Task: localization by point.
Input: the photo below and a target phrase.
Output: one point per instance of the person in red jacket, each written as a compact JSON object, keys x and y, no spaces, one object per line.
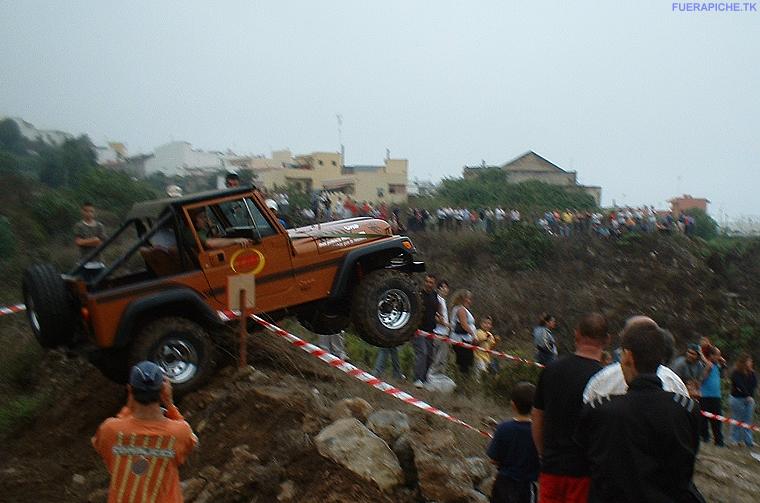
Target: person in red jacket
{"x":142,"y":447}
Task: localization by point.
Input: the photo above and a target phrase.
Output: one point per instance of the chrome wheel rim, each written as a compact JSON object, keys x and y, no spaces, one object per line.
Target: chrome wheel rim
{"x":394,"y":310}
{"x":178,"y":359}
{"x":32,"y":315}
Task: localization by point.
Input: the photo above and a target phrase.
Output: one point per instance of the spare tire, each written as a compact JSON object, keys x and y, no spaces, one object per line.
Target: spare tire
{"x":49,"y":306}
{"x":387,"y":308}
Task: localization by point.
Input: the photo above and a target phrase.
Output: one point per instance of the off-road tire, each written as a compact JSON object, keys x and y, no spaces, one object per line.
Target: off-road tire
{"x":188,"y":338}
{"x":50,"y":308}
{"x":365,"y":311}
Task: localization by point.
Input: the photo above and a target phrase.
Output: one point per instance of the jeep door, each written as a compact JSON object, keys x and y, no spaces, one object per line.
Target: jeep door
{"x":268,"y":258}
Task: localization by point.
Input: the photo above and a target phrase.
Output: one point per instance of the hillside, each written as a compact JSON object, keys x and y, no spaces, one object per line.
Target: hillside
{"x":258,"y":427}
{"x":691,"y":287}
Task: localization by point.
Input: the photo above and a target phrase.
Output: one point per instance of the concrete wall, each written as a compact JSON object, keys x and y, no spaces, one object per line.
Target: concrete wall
{"x":680,"y":204}
{"x":551,"y":177}
{"x":593,"y":191}
{"x":325,"y":170}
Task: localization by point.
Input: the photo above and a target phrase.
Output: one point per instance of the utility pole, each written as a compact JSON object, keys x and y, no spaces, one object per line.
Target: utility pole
{"x":339,"y":118}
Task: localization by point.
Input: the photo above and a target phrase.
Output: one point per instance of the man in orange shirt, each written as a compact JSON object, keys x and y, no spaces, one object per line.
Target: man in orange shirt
{"x":143,"y":448}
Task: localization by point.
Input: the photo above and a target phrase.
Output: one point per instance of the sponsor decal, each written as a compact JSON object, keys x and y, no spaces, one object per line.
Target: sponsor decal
{"x":247,"y":261}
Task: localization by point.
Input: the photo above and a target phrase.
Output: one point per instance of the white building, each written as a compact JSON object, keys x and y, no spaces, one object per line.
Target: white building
{"x":180,"y":158}
{"x":110,"y":154}
{"x":50,"y":137}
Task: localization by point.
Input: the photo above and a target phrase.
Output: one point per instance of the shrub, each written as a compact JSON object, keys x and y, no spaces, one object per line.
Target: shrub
{"x":491,"y":188}
{"x":705,"y":226}
{"x":56,"y":212}
{"x":499,"y":385}
{"x":519,"y":247}
{"x":113,"y":190}
{"x":19,"y":412}
{"x":7,"y":239}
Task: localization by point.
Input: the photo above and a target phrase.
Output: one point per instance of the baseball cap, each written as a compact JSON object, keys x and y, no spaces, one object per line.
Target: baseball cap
{"x":146,"y":376}
{"x":693,"y":346}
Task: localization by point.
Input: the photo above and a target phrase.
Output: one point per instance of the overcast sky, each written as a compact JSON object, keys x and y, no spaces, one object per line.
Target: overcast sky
{"x":644,"y":101}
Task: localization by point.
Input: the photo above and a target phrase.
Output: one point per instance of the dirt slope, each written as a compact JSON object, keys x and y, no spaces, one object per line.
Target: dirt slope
{"x":256,"y":427}
{"x":682,"y":284}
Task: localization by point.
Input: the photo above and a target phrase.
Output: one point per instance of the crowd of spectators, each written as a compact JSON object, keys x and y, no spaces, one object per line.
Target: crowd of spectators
{"x":585,"y":414}
{"x":607,"y":223}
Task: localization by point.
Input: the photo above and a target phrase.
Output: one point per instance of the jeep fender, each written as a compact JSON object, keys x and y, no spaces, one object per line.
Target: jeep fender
{"x":377,"y":255}
{"x":175,"y":302}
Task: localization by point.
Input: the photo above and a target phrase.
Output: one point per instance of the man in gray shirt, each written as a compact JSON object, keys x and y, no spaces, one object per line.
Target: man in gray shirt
{"x":691,"y":369}
{"x":88,"y":232}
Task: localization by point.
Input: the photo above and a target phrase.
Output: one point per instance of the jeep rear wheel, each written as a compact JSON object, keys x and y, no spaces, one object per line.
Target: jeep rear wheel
{"x":387,"y":308}
{"x":49,"y":306}
{"x":179,"y":346}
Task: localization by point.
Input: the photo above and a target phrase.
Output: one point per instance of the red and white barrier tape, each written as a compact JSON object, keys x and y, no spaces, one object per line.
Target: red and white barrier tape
{"x":472,"y":347}
{"x":353,"y":371}
{"x":373,"y":381}
{"x":729,"y":420}
{"x":16,"y":308}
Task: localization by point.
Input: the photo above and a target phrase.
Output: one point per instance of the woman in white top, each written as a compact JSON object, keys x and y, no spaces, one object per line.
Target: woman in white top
{"x":462,"y":328}
{"x":442,"y":327}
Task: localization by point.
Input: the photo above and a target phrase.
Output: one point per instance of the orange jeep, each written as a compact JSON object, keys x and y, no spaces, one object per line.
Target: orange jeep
{"x":153,"y":289}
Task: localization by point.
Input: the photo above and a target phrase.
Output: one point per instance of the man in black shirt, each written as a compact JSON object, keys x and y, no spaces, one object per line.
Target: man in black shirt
{"x":564,"y":473}
{"x":423,"y":347}
{"x":642,"y":445}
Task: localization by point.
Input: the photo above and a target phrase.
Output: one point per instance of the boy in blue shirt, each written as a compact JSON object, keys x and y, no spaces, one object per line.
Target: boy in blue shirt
{"x":513,"y":451}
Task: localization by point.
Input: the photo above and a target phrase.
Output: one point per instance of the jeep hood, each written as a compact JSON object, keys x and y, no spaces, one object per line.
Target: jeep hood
{"x":342,"y":233}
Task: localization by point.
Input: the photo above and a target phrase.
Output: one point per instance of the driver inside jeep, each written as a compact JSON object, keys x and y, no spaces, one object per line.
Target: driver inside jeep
{"x":209,"y":235}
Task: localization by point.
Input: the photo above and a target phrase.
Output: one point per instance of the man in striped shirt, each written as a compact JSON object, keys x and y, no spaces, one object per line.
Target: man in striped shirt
{"x":143,"y":448}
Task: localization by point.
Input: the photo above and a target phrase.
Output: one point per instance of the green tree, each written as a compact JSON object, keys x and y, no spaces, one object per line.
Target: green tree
{"x":113,"y":190}
{"x":704,"y":225}
{"x":491,"y":188}
{"x":52,"y":172}
{"x":78,"y":159}
{"x":10,"y":137}
{"x":8,"y":163}
{"x":521,"y":246}
{"x":55,"y":211}
{"x":7,"y":239}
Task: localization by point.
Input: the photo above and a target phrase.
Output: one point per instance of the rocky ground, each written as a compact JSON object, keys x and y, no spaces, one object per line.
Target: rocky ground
{"x":289,"y":428}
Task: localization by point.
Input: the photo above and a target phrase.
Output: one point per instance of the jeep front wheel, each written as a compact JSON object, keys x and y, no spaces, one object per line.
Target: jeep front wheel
{"x":387,"y":308}
{"x":179,"y":346}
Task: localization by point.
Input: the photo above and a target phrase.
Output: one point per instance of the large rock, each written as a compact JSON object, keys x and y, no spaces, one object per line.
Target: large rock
{"x":350,"y":444}
{"x":405,"y":454}
{"x":388,"y":424}
{"x":440,"y":383}
{"x":351,"y":407}
{"x":479,"y":469}
{"x":443,"y":474}
{"x":486,"y":485}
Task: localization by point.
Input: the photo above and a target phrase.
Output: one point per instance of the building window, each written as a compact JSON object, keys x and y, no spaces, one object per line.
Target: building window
{"x":334,"y":163}
{"x":396,"y":188}
{"x":320,"y":162}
